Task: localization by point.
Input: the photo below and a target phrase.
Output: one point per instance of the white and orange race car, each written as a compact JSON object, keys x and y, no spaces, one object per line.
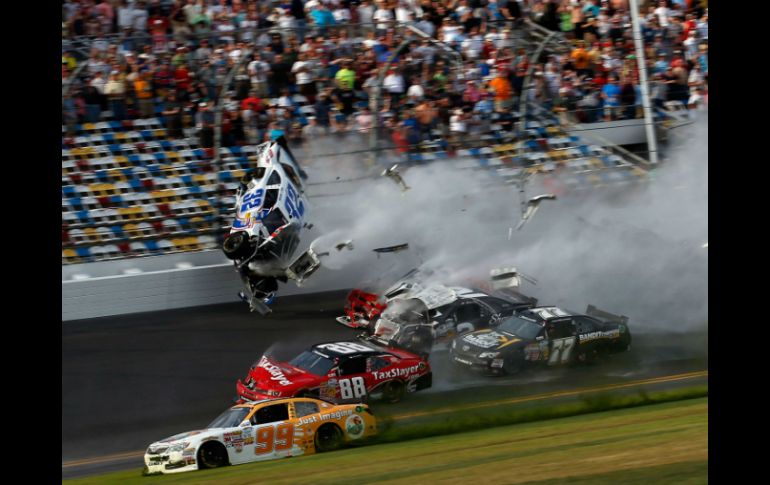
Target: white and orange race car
{"x":262,"y":430}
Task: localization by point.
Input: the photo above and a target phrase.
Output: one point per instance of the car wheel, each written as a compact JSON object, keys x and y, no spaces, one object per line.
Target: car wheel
{"x":212,"y":455}
{"x":393,"y":391}
{"x":236,"y":245}
{"x":328,"y":438}
{"x":512,"y":364}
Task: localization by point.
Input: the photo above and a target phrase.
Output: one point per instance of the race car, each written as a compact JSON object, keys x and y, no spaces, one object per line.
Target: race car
{"x":262,"y":430}
{"x":338,"y":371}
{"x":270,"y":212}
{"x":542,"y":336}
{"x":432,"y":316}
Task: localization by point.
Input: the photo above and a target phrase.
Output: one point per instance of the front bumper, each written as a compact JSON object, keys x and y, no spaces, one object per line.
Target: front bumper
{"x":249,"y":394}
{"x":174,"y":462}
{"x":487,"y":365}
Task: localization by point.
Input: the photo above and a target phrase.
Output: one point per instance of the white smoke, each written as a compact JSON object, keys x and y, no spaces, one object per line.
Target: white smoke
{"x":634,"y":250}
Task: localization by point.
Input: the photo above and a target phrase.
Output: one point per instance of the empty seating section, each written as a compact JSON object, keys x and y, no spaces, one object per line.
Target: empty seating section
{"x":127,"y":190}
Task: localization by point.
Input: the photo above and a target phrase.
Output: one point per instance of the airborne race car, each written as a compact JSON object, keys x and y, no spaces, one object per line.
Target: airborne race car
{"x":259,"y":431}
{"x":338,"y":371}
{"x":543,"y":335}
{"x":271,"y":209}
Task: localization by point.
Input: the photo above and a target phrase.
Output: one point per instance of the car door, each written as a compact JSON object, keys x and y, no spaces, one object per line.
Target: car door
{"x":273,"y":433}
{"x":351,"y":382}
{"x":467,"y":316}
{"x":306,"y":420}
{"x":562,"y":339}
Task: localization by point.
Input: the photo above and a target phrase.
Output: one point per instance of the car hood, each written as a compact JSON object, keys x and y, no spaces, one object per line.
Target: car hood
{"x":280,"y":376}
{"x":489,"y":340}
{"x":162,"y":445}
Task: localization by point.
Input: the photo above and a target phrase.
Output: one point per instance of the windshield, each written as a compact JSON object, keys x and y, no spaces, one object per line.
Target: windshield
{"x":521,"y":328}
{"x":406,"y":311}
{"x":314,"y":363}
{"x":230,"y":418}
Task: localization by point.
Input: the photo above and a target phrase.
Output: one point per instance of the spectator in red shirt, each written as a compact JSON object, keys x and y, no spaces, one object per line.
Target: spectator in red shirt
{"x":252,"y":103}
{"x":182,"y":78}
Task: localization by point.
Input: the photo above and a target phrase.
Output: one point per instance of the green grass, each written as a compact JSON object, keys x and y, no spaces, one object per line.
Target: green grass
{"x":500,"y":416}
{"x":661,"y":443}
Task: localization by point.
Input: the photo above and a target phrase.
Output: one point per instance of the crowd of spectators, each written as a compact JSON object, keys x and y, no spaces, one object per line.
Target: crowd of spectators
{"x":312,"y":65}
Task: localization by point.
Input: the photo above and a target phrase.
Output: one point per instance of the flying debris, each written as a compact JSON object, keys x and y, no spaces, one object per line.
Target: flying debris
{"x":532,"y":206}
{"x":508,"y":278}
{"x":391,"y":249}
{"x":346,"y":244}
{"x":339,"y":247}
{"x":394,"y":175}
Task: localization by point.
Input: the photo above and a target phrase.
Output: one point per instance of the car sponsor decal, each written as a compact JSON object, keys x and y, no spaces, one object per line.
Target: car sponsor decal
{"x":587,"y":337}
{"x":234,"y":439}
{"x":392,"y":373}
{"x":354,"y":426}
{"x":275,"y":371}
{"x":487,"y":340}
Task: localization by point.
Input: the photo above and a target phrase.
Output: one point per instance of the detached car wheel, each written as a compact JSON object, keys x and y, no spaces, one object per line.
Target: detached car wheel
{"x":236,"y":245}
{"x":212,"y":455}
{"x":328,"y":438}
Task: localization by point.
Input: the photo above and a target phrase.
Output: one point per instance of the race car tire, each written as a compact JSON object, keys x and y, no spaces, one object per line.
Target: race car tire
{"x":212,"y":455}
{"x":236,"y":245}
{"x":512,"y":364}
{"x":393,"y":391}
{"x":328,"y":438}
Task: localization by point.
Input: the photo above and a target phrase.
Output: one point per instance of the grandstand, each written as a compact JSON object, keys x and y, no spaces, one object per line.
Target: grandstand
{"x":129,"y":188}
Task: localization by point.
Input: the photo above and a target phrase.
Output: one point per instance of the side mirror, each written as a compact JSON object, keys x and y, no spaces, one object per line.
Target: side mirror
{"x":245,"y":424}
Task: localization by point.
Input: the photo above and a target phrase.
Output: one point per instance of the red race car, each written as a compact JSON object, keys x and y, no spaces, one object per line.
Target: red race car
{"x":338,"y":371}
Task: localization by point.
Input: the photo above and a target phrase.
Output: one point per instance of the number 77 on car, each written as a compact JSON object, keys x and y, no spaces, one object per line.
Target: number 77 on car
{"x":263,"y":430}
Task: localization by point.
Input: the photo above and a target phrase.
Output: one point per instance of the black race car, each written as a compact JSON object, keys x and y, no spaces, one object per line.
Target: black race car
{"x":542,"y":335}
{"x":432,"y":316}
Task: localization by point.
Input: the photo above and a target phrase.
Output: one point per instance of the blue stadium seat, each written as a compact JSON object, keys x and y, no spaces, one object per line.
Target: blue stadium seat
{"x":69,"y":191}
{"x":115,"y":149}
{"x":118,"y":231}
{"x":102,"y":175}
{"x":83,"y":252}
{"x":135,"y":159}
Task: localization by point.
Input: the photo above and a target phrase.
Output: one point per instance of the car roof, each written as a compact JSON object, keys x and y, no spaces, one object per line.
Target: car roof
{"x":328,"y":349}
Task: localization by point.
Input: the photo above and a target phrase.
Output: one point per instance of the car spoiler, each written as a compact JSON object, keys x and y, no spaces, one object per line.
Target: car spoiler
{"x":596,"y":312}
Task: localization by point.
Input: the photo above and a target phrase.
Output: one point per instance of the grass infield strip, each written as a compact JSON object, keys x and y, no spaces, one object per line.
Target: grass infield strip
{"x":661,"y":437}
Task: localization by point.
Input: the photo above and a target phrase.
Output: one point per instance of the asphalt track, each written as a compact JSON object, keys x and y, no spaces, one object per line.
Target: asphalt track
{"x":133,"y":379}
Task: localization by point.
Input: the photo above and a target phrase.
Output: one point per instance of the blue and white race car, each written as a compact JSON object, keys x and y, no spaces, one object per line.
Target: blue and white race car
{"x":271,"y":210}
